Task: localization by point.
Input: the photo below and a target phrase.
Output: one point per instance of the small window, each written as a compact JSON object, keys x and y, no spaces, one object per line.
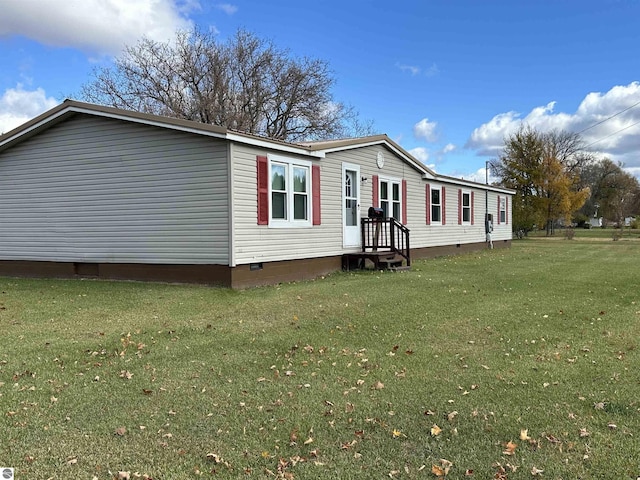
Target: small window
{"x":466,"y":207}
{"x":290,"y":187}
{"x":436,"y":205}
{"x":390,"y":198}
{"x":278,"y":191}
{"x":503,"y":210}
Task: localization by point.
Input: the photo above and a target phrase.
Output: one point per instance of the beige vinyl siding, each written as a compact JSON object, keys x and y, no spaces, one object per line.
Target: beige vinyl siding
{"x":257,"y":243}
{"x":261,"y":243}
{"x":92,"y":189}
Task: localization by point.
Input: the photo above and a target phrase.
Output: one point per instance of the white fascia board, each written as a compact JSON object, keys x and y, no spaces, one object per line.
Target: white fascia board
{"x":33,"y":127}
{"x":282,"y":147}
{"x":469,"y":184}
{"x":423,"y":168}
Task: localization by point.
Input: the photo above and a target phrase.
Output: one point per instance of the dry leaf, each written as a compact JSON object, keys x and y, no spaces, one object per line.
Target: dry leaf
{"x":378,"y":385}
{"x":452,"y":415}
{"x":584,"y":432}
{"x":120,"y":431}
{"x":443,"y":469}
{"x":308,"y":441}
{"x":435,"y":430}
{"x":124,"y":475}
{"x":524,"y":434}
{"x":536,"y":471}
{"x":510,"y":448}
{"x":396,"y":433}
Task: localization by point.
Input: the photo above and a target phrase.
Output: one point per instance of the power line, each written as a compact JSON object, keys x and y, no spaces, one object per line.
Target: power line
{"x":614,"y":133}
{"x":609,"y":118}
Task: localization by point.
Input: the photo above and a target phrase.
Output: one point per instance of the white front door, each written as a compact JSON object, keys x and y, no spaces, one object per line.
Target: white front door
{"x":350,"y":205}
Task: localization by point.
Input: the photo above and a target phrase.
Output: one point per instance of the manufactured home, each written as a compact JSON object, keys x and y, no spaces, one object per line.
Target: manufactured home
{"x":94,"y":191}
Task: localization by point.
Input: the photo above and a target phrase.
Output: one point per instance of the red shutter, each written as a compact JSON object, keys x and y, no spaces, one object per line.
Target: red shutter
{"x":263,"y":190}
{"x":375,"y":199}
{"x":428,"y":203}
{"x":506,"y":210}
{"x":472,"y":212}
{"x":443,"y":202}
{"x":315,"y":193}
{"x":498,"y":209}
{"x":459,"y":206}
{"x":404,"y":202}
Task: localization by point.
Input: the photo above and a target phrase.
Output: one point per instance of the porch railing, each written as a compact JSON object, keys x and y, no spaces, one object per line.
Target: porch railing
{"x":385,"y":234}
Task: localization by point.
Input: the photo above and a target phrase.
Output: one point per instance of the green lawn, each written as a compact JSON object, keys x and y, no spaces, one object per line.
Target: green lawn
{"x":493,"y":365}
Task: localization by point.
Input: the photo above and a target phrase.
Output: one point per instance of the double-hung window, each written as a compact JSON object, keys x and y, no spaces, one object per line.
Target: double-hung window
{"x":436,"y":205}
{"x":290,"y":191}
{"x":466,"y":207}
{"x":390,"y":198}
{"x":503,"y":210}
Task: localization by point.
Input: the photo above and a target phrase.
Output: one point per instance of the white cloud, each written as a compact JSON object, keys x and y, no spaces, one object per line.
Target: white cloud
{"x":425,"y":130}
{"x":408,"y":68}
{"x":18,"y":106}
{"x":432,"y":71}
{"x":449,"y":147}
{"x":422,"y":154}
{"x":415,"y":70}
{"x":97,"y":27}
{"x":606,"y":139}
{"x":227,"y":8}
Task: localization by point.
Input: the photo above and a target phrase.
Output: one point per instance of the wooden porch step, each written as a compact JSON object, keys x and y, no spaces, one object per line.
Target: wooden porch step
{"x":381,"y":260}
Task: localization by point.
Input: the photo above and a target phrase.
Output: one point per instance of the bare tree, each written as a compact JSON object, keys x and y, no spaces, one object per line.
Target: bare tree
{"x":246,"y":84}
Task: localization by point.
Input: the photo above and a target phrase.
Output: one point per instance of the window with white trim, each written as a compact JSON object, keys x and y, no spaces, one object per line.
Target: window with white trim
{"x":503,"y":210}
{"x":436,"y":205}
{"x":466,"y":207}
{"x":290,"y":192}
{"x":391,"y":198}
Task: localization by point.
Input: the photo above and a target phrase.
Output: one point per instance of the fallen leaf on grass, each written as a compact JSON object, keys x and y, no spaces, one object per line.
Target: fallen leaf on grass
{"x":396,"y":433}
{"x":524,"y":434}
{"x":584,"y":432}
{"x":536,"y":471}
{"x":435,"y":430}
{"x":124,"y":475}
{"x":441,"y":470}
{"x":378,"y":385}
{"x":120,"y":431}
{"x":452,"y":415}
{"x":510,"y":448}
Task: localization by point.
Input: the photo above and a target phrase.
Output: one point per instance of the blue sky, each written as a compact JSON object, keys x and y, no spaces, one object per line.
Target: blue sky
{"x":447,"y":80}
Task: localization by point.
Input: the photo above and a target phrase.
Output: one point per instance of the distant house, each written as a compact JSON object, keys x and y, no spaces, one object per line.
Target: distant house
{"x":95,"y":191}
{"x":595,"y":222}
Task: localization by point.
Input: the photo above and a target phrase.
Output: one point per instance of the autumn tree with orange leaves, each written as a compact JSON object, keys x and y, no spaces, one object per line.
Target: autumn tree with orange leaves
{"x":544,"y":170}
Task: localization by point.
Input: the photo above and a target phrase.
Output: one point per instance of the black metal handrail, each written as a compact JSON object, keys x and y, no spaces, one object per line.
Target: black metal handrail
{"x":385,"y":234}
